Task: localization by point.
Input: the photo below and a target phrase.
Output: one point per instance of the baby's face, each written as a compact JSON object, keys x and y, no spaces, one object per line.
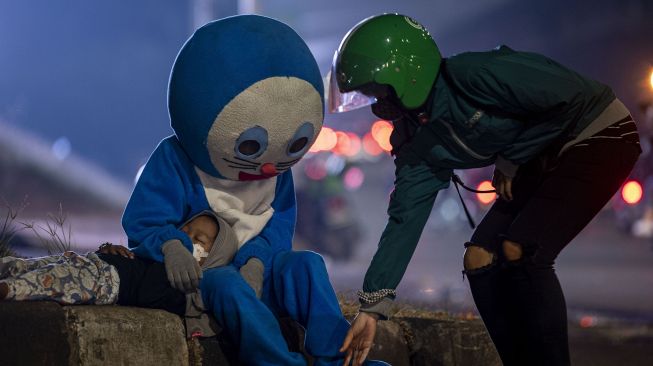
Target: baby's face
{"x":202,"y":230}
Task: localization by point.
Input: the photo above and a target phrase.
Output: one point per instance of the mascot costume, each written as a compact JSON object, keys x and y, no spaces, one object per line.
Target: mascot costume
{"x":246,"y":102}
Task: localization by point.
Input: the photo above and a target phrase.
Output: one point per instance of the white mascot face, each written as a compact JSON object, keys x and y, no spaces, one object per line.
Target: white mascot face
{"x":265,"y":129}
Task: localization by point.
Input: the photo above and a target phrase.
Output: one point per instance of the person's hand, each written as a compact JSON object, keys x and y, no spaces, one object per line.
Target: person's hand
{"x":109,"y":248}
{"x":360,"y":338}
{"x":184,"y":273}
{"x":252,"y":272}
{"x":503,"y":184}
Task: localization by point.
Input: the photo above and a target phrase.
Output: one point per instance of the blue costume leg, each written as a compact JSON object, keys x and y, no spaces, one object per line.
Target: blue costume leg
{"x":302,"y":290}
{"x":246,"y":319}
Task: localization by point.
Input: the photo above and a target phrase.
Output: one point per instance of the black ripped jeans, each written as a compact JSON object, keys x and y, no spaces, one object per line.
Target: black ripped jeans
{"x":521,"y":302}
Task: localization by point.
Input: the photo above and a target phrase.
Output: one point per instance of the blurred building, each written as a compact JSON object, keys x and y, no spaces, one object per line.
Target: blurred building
{"x":43,"y":181}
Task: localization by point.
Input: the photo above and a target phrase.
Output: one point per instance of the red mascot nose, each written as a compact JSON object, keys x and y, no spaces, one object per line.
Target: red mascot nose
{"x":268,"y":169}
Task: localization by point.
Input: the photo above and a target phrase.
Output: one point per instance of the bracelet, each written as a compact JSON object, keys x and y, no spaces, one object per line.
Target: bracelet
{"x":376,"y":296}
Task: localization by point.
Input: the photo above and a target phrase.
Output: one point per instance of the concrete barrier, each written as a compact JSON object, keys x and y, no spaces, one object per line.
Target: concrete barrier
{"x":45,"y":333}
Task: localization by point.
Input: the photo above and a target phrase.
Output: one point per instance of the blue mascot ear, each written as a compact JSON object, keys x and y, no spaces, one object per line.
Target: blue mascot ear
{"x":218,"y":62}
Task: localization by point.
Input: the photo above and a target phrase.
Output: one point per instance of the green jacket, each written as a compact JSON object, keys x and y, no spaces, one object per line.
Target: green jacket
{"x":485,"y":108}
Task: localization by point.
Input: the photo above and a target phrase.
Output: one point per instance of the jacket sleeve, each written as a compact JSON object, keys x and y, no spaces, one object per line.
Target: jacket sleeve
{"x":416,"y":187}
{"x":546,"y":96}
{"x":278,"y":233}
{"x":158,"y":205}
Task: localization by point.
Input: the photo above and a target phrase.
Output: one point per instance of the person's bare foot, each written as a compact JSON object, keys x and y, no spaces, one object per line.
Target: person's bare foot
{"x":4,"y":290}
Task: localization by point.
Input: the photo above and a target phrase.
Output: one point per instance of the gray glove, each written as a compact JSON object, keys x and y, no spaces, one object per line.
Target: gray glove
{"x":252,"y":272}
{"x":183,"y":271}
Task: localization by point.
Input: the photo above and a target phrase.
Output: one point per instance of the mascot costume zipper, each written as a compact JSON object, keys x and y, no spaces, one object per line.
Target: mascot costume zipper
{"x":246,"y":102}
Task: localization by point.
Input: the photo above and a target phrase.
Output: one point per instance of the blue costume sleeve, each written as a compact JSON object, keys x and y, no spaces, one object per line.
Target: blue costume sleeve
{"x":277,"y":234}
{"x":159,"y":202}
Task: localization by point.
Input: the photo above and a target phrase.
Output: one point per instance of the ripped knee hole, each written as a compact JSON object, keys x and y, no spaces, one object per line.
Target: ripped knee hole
{"x":477,"y":257}
{"x":512,"y":250}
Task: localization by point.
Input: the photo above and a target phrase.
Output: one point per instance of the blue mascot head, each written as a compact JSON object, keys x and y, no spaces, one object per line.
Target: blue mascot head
{"x":245,"y":98}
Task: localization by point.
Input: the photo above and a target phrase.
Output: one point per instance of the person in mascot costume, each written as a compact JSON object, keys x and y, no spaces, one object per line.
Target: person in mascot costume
{"x":246,"y":102}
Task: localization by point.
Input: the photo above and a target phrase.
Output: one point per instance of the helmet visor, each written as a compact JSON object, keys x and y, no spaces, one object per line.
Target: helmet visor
{"x":338,"y":102}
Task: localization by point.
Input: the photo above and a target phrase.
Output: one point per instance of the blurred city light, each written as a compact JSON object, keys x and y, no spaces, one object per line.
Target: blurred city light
{"x":342,"y":143}
{"x":449,"y":209}
{"x":326,"y":140}
{"x":370,"y":146}
{"x":335,"y":164}
{"x":632,"y":192}
{"x":315,"y":169}
{"x":587,"y":321}
{"x":354,"y":144}
{"x":348,"y":144}
{"x":485,"y":198}
{"x":381,"y":131}
{"x":354,"y":178}
{"x":61,"y":148}
{"x":651,"y":79}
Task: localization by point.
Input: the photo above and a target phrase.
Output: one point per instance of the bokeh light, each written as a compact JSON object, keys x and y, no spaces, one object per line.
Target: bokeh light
{"x":326,"y":140}
{"x":370,"y":145}
{"x":381,"y":131}
{"x":354,"y":145}
{"x":342,"y":143}
{"x":587,"y":321}
{"x":315,"y":170}
{"x":632,"y":192}
{"x":485,"y":198}
{"x":354,"y":178}
{"x":61,"y":148}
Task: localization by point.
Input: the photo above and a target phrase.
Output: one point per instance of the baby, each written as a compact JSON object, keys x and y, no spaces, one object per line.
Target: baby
{"x":113,"y":275}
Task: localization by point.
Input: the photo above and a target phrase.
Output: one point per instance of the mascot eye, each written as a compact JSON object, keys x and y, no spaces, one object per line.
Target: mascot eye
{"x":252,"y":143}
{"x":249,"y":147}
{"x":298,"y":145}
{"x":299,"y":142}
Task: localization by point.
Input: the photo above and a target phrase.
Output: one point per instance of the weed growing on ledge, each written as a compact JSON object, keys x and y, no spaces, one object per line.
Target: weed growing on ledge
{"x":56,"y":235}
{"x":8,"y":229}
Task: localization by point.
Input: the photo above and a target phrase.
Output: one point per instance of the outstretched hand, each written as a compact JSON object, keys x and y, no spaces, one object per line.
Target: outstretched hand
{"x":360,"y":338}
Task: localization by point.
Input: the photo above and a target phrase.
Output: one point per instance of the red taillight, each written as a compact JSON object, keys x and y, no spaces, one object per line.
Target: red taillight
{"x":632,"y":192}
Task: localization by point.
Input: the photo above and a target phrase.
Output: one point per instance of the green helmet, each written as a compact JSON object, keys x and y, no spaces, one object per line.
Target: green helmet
{"x":387,"y":49}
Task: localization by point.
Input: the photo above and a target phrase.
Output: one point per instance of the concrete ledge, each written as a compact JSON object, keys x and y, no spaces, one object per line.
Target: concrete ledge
{"x":33,"y":334}
{"x":435,"y":342}
{"x":115,"y":335}
{"x":45,"y":333}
